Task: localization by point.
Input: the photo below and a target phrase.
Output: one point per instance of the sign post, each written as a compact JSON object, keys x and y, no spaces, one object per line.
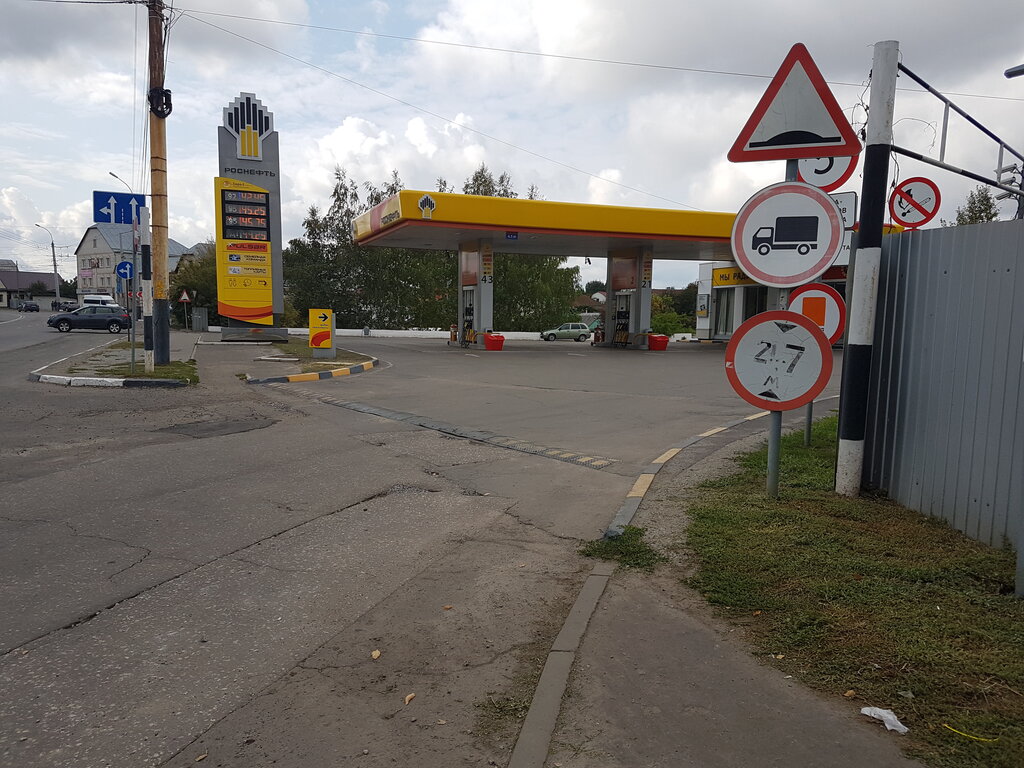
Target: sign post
{"x":778,"y":361}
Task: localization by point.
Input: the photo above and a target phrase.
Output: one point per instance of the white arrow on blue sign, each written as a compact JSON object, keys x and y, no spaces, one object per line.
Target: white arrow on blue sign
{"x":125,"y":270}
{"x":116,"y":207}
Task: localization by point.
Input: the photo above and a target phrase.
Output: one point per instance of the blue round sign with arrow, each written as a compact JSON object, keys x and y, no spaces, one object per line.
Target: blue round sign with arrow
{"x":125,"y":270}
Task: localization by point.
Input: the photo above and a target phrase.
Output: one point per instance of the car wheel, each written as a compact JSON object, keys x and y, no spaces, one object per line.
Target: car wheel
{"x":549,"y":337}
{"x":63,"y":326}
{"x":581,"y":337}
{"x":114,"y":327}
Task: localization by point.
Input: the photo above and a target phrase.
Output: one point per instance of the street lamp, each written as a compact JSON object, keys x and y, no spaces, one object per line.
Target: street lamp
{"x":53,"y":253}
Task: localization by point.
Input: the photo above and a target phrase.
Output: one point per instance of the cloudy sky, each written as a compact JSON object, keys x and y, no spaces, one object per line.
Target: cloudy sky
{"x":593,"y":101}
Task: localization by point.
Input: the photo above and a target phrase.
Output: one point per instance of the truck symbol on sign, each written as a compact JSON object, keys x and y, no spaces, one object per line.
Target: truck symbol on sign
{"x":789,"y":233}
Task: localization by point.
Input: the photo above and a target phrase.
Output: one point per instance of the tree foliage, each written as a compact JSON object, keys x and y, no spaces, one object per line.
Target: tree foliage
{"x":406,"y":288}
{"x":593,"y":286}
{"x":979,"y":208}
{"x":198,"y":276}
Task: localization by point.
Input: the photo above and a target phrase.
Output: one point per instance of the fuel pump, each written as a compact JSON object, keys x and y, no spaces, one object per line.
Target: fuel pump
{"x":622,"y":309}
{"x":468,"y":301}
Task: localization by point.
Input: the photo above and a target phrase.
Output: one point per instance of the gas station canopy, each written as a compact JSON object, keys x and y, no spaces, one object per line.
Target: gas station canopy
{"x":441,"y":221}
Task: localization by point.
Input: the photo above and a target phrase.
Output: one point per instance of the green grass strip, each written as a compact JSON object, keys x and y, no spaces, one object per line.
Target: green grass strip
{"x":866,"y":596}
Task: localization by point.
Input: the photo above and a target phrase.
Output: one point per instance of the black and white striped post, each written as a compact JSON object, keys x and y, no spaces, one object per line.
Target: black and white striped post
{"x":865,"y":264}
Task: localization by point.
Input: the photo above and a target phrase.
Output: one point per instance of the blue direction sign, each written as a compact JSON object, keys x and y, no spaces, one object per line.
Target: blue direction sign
{"x":116,"y":207}
{"x":125,"y":270}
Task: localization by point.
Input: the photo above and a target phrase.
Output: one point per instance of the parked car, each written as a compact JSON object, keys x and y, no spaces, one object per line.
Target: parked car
{"x":109,"y":318}
{"x":67,"y":306}
{"x":28,"y":306}
{"x":575,"y":331}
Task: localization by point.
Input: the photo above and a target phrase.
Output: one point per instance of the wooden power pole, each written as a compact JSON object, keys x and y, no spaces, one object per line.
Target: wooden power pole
{"x":159,"y":108}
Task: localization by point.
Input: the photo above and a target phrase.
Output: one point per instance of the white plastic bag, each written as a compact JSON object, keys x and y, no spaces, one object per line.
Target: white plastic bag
{"x":887,"y":716}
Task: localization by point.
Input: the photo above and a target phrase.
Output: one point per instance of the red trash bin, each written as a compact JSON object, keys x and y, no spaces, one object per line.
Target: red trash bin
{"x":494,"y":341}
{"x":657,"y":342}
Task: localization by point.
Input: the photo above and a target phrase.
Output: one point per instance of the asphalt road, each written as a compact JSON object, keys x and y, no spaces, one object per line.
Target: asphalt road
{"x":205,"y":571}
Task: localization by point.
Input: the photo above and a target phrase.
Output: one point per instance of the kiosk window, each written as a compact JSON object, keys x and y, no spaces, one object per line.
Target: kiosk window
{"x":724,"y":298}
{"x":755,"y":300}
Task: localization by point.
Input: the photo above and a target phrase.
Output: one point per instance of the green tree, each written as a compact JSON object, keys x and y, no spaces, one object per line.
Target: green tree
{"x":198,"y":276}
{"x":37,"y":288}
{"x":69,"y":288}
{"x":376,"y":287}
{"x":594,"y":286}
{"x":979,"y":208}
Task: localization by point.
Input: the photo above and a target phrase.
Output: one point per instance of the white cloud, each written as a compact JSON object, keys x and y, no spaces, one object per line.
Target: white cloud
{"x":72,"y":77}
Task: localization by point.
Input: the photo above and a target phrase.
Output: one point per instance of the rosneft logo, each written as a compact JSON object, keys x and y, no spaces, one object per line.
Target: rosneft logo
{"x":249,"y":122}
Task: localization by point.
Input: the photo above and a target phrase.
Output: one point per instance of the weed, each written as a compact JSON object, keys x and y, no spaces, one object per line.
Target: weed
{"x":628,"y":549}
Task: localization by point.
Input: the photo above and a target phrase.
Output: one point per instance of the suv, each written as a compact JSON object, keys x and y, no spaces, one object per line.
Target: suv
{"x":575,"y":331}
{"x":110,"y":318}
{"x":28,"y":306}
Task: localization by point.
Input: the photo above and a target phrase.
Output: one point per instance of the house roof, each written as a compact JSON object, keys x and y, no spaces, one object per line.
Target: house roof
{"x":18,"y":280}
{"x":116,"y":238}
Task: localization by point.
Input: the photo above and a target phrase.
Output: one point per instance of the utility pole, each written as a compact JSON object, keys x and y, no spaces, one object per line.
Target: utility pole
{"x":865,"y":263}
{"x":53,"y":254}
{"x":159,"y":108}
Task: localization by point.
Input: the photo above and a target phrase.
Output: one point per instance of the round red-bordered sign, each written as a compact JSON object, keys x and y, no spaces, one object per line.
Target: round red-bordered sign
{"x":778,"y":360}
{"x":831,"y":310}
{"x":827,"y":173}
{"x":914,"y":202}
{"x":787,"y":234}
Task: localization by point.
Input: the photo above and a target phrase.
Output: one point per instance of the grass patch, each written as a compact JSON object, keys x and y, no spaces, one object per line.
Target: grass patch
{"x":176,"y":369}
{"x":627,"y":549}
{"x":127,"y":344}
{"x":863,"y":595}
{"x":300,"y":348}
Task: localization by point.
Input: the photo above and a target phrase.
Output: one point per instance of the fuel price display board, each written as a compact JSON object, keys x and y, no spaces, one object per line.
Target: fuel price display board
{"x":244,"y":254}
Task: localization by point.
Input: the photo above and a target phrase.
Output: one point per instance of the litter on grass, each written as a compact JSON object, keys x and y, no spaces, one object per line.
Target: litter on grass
{"x":887,"y":716}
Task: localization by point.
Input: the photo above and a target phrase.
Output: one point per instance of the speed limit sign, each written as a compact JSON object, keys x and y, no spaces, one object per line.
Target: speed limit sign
{"x":778,"y":360}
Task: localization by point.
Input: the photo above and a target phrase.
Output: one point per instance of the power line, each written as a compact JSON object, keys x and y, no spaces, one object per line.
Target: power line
{"x":446,"y":120}
{"x":563,"y":57}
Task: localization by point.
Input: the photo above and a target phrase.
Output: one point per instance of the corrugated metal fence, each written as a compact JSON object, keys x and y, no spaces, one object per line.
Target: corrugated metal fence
{"x":945,"y":421}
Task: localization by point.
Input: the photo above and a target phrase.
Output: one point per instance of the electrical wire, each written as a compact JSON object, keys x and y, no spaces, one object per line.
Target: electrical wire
{"x":446,"y":120}
{"x":564,"y":57}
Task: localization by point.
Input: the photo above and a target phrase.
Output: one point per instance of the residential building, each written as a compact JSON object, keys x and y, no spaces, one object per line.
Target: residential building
{"x":102,"y":247}
{"x":15,"y":287}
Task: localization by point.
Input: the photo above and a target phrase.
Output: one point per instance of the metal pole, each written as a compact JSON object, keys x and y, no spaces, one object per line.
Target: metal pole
{"x":147,"y":294}
{"x":793,"y":174}
{"x":865,"y":263}
{"x":774,"y":443}
{"x":159,"y":109}
{"x":53,"y":255}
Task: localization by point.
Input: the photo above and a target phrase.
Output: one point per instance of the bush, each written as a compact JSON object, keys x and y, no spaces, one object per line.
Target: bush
{"x":667,"y":323}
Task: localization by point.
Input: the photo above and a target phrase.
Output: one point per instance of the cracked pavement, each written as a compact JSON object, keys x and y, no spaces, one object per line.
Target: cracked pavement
{"x":205,"y":572}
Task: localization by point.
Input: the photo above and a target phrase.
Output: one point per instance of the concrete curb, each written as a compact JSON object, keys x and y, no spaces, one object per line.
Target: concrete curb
{"x":316,"y":376}
{"x":534,"y":741}
{"x":98,"y":381}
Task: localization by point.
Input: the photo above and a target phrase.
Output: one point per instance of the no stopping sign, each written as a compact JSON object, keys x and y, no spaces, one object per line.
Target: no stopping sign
{"x":778,"y":360}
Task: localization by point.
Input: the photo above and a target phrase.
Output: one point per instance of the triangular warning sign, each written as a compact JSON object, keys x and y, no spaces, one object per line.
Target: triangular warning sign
{"x":797,"y":117}
{"x":184,"y":297}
